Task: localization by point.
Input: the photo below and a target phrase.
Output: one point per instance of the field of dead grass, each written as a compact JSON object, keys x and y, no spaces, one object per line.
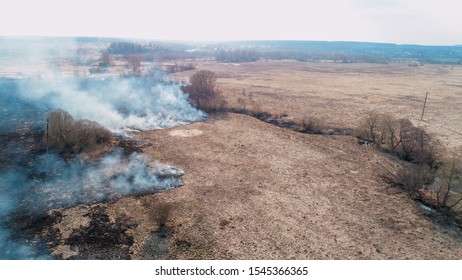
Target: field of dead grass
{"x":256,"y":191}
{"x":341,"y":94}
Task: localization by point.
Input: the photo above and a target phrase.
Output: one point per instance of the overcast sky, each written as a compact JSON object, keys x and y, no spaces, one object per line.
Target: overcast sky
{"x":427,"y":22}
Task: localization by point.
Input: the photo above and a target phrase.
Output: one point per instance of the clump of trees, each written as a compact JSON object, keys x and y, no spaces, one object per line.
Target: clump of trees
{"x":152,"y":51}
{"x":203,"y":91}
{"x":399,"y":137}
{"x":126,"y":48}
{"x":237,"y":55}
{"x":105,"y":60}
{"x":422,"y":172}
{"x":134,"y":63}
{"x":69,"y":136}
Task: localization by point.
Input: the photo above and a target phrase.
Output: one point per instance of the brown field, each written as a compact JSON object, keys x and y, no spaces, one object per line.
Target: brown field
{"x":256,"y":191}
{"x":341,"y":94}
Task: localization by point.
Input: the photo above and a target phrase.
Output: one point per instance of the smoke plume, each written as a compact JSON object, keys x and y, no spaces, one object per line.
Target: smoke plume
{"x":32,"y":182}
{"x":117,"y":103}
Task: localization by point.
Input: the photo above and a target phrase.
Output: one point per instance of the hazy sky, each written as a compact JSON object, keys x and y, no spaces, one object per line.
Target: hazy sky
{"x":429,"y":22}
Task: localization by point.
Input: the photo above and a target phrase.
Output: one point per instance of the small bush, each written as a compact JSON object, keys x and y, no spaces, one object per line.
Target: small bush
{"x":409,"y":177}
{"x":66,"y":135}
{"x":312,"y":125}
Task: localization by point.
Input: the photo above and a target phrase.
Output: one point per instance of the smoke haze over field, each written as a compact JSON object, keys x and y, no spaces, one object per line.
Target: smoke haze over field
{"x":51,"y":182}
{"x":33,"y":182}
{"x":116,"y":103}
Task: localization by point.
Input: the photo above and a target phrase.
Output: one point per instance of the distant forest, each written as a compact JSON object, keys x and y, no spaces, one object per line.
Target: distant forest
{"x":247,"y":51}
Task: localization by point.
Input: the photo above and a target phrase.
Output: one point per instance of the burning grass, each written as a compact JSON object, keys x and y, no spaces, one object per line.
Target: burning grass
{"x":138,"y":102}
{"x":77,"y":161}
{"x":34,"y":182}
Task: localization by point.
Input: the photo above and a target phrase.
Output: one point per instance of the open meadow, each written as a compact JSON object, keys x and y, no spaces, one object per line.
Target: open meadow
{"x":163,"y":180}
{"x":341,"y":94}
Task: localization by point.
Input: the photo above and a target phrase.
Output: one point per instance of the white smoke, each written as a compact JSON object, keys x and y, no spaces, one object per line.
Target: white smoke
{"x":68,"y":183}
{"x":116,"y":103}
{"x":32,"y":185}
{"x":137,"y":102}
{"x":52,"y":183}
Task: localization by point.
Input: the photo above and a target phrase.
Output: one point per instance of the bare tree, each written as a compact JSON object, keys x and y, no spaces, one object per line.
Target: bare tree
{"x":203,"y":82}
{"x":203,"y":92}
{"x":416,"y":144}
{"x":449,"y":177}
{"x":370,"y":128}
{"x":390,"y":127}
{"x":66,"y":135}
{"x":407,"y":176}
{"x":105,"y":60}
{"x":134,"y":63}
{"x":59,"y":129}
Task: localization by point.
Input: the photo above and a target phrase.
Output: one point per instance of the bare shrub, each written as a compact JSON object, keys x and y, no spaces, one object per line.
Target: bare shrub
{"x":163,"y":211}
{"x":369,"y":128}
{"x":66,"y":135}
{"x":312,"y":125}
{"x":59,"y":130}
{"x":409,"y":177}
{"x":421,"y":174}
{"x":416,"y":145}
{"x":449,"y":190}
{"x":241,"y":103}
{"x":382,"y":130}
{"x":88,"y":134}
{"x":203,"y":92}
{"x":390,"y":128}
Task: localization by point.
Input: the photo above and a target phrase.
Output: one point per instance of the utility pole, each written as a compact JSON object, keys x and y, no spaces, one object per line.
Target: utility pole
{"x":423,"y":109}
{"x":46,"y":157}
{"x":47,"y":136}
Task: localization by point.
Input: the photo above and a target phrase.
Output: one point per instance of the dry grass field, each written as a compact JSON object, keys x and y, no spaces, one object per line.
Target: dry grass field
{"x":342,"y":94}
{"x":256,"y":191}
